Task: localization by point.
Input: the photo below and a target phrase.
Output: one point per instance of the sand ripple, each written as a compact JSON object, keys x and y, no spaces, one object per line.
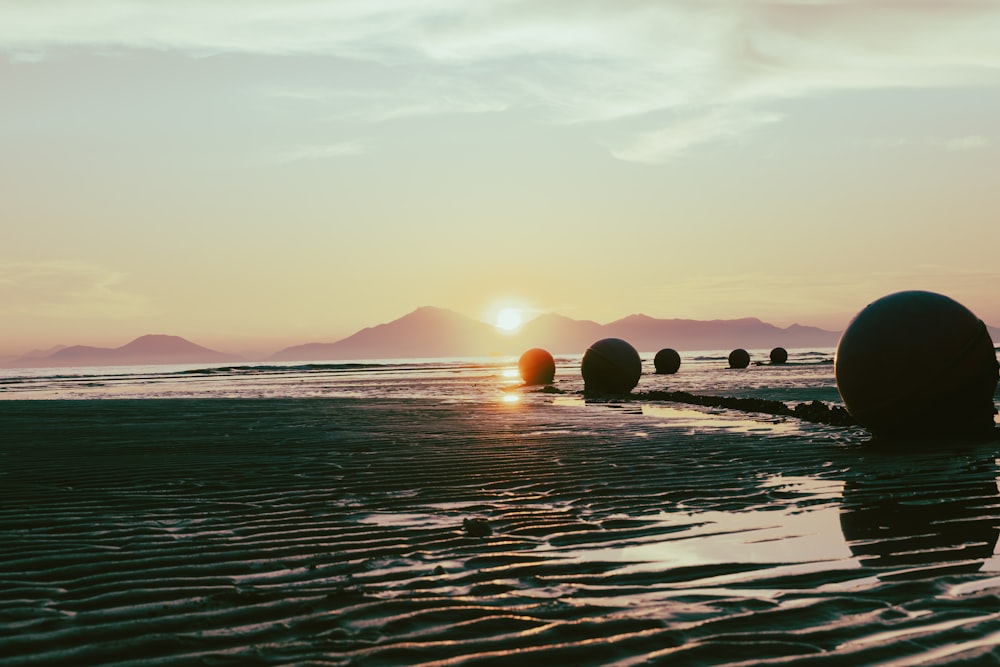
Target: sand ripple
{"x":330,"y":532}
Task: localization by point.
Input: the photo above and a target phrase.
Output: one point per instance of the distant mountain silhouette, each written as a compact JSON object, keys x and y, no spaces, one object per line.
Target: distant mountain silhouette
{"x":45,"y":352}
{"x":558,"y":334}
{"x":436,"y":332}
{"x":426,"y":332}
{"x":151,"y":349}
{"x":650,"y":334}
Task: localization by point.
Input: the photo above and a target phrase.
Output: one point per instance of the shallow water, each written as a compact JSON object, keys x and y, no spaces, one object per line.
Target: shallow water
{"x":807,"y":376}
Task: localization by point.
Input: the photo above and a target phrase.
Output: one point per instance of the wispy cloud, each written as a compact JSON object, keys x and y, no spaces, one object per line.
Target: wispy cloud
{"x":709,"y":69}
{"x":970,"y":142}
{"x":318,"y":152}
{"x":66,"y":290}
{"x":422,"y":95}
{"x":673,"y":139}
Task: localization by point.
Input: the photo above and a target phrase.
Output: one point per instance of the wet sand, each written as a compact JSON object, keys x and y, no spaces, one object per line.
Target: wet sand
{"x":315,"y":531}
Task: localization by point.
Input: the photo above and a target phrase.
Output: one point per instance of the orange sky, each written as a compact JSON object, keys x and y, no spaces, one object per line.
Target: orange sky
{"x":257,"y":174}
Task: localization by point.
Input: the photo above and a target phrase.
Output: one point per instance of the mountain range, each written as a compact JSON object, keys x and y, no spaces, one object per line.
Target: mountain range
{"x":436,"y":332}
{"x":151,"y":349}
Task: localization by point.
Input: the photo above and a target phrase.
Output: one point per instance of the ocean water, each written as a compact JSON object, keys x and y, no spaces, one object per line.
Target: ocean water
{"x":807,"y":376}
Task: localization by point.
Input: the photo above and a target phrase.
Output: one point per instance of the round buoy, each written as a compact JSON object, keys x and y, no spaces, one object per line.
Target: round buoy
{"x":739,"y":358}
{"x":918,"y":364}
{"x":779,"y":355}
{"x":667,"y":361}
{"x":611,"y":366}
{"x":537,"y":366}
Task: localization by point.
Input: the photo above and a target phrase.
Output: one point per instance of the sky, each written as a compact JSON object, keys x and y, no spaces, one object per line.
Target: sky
{"x":252,"y":175}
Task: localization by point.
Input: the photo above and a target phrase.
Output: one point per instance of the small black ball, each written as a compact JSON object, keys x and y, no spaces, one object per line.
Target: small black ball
{"x":611,"y":366}
{"x":667,"y":361}
{"x":739,"y":358}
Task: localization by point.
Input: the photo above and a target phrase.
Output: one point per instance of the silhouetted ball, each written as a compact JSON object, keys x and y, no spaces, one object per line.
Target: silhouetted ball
{"x":779,"y":355}
{"x":611,"y":366}
{"x":667,"y":361}
{"x":537,"y":366}
{"x":739,"y":358}
{"x":918,"y":364}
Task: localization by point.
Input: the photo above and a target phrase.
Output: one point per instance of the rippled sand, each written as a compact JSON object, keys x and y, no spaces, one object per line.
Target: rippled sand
{"x":330,"y":532}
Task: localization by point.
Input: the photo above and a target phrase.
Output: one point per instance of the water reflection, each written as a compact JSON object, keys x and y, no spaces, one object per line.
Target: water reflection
{"x":913,"y":514}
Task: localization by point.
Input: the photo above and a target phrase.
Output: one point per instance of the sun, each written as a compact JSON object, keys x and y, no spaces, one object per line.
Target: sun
{"x":509,"y":319}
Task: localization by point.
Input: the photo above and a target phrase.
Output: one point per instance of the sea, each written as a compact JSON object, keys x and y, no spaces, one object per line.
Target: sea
{"x":807,"y":376}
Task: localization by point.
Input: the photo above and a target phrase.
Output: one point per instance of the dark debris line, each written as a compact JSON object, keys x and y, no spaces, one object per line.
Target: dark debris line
{"x":817,"y":412}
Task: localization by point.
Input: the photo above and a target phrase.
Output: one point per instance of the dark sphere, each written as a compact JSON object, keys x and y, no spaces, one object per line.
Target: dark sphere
{"x":611,"y":366}
{"x":739,"y":358}
{"x":779,"y":355}
{"x":667,"y":361}
{"x":537,"y":366}
{"x":918,"y":364}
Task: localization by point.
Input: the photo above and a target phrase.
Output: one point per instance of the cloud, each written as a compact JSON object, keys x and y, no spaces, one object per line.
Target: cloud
{"x":967,"y":143}
{"x":318,"y":152}
{"x":672,"y":140}
{"x":424,"y":94}
{"x":964,"y":143}
{"x":710,"y":70}
{"x":68,"y":290}
{"x":19,"y":57}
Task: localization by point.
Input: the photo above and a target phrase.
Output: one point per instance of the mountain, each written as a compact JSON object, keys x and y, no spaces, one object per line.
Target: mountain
{"x":151,"y":349}
{"x":426,"y":332}
{"x":558,"y":333}
{"x":43,"y":353}
{"x":647,"y":333}
{"x":435,"y":332}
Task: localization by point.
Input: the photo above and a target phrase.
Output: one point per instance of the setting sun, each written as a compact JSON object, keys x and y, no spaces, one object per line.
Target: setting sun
{"x":509,"y":319}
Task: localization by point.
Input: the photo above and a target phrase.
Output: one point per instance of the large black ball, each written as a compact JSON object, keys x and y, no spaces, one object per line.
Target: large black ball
{"x":739,"y":358}
{"x":667,"y":361}
{"x":915,"y":364}
{"x":537,"y":366}
{"x":610,"y":366}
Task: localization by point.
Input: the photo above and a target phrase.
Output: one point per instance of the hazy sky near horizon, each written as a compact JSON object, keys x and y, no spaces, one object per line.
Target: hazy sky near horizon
{"x":256,"y":174}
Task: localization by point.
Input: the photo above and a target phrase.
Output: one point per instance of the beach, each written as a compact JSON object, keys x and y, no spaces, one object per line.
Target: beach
{"x":420,"y":531}
{"x":499,"y":334}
